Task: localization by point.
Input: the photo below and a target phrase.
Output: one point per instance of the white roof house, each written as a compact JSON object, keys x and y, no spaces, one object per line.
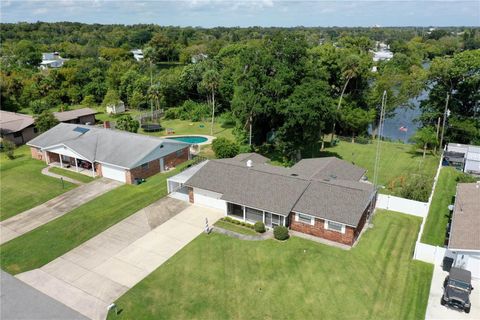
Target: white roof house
{"x":137,"y":54}
{"x":471,"y":156}
{"x":52,"y":60}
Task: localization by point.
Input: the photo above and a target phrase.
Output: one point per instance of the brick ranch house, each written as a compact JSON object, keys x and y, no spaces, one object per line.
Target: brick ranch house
{"x":109,"y":153}
{"x":323,"y":197}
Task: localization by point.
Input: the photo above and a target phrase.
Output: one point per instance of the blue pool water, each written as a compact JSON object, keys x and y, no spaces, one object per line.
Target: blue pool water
{"x":190,"y":139}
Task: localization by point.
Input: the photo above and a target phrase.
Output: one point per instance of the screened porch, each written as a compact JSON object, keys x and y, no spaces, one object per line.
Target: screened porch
{"x":252,"y":215}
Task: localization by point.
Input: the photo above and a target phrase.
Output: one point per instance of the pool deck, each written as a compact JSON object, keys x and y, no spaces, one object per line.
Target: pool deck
{"x":209,"y":138}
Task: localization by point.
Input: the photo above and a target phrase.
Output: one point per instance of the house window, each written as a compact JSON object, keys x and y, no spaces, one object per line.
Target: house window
{"x":305,"y":219}
{"x":145,"y":166}
{"x":330,"y":225}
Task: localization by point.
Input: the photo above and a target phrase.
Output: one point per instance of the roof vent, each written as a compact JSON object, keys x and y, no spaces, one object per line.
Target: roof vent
{"x":333,"y":177}
{"x":249,"y":163}
{"x":161,"y":146}
{"x":294,"y":175}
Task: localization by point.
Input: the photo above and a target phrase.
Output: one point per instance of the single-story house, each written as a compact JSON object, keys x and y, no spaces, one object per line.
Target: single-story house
{"x":464,"y":240}
{"x":52,"y":60}
{"x":79,"y":116}
{"x":324,"y":197}
{"x":114,"y":154}
{"x":463,"y":156}
{"x":16,"y":127}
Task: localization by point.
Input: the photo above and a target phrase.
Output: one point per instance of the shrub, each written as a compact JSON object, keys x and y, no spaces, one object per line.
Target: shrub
{"x":9,"y":148}
{"x":259,"y":227}
{"x":224,"y":148}
{"x":280,"y":233}
{"x":88,"y":100}
{"x":189,"y":110}
{"x":38,"y":106}
{"x":465,"y":178}
{"x":416,"y":187}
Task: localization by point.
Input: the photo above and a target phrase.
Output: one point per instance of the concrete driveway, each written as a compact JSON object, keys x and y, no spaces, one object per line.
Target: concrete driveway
{"x":93,"y":275}
{"x":54,"y":208}
{"x":435,"y":311}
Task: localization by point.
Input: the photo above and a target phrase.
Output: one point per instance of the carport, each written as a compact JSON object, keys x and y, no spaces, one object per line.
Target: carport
{"x":175,"y":184}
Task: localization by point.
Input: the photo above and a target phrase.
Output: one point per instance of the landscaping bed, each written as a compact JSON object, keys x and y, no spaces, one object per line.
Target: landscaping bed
{"x":227,"y":278}
{"x":23,"y":186}
{"x":235,"y":227}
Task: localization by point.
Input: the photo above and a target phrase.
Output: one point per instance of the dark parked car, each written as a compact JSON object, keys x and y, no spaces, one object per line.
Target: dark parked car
{"x":457,"y":288}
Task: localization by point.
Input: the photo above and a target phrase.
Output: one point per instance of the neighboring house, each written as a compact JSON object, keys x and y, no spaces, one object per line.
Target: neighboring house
{"x":16,"y":127}
{"x":464,"y":157}
{"x":78,"y":116}
{"x":464,"y":240}
{"x":52,"y":60}
{"x":116,"y":108}
{"x":323,"y":197}
{"x":118,"y":155}
{"x":137,"y":54}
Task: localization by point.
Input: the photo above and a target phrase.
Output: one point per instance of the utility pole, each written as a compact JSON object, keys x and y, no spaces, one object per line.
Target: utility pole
{"x":379,"y":139}
{"x":151,"y":84}
{"x":444,"y":119}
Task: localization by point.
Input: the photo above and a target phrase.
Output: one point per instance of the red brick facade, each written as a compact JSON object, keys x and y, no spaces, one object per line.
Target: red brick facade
{"x":36,"y":153}
{"x":171,"y":160}
{"x":318,"y":229}
{"x":52,"y":157}
{"x":190,"y":195}
{"x":175,"y":158}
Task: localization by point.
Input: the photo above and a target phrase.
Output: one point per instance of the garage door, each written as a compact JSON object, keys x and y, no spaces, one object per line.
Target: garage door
{"x":113,"y":173}
{"x":209,"y":199}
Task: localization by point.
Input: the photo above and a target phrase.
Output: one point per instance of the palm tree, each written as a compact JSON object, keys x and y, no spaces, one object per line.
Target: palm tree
{"x":350,"y":71}
{"x":155,"y":94}
{"x":210,"y":83}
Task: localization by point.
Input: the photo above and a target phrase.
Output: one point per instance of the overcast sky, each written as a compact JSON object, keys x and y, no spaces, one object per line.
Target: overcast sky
{"x":210,"y":13}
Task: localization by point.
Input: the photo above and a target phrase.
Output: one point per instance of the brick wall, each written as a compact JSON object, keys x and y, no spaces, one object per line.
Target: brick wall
{"x":98,"y":169}
{"x":318,"y":230}
{"x":52,"y":157}
{"x":173,"y":160}
{"x":36,"y":153}
{"x":143,"y":173}
{"x":190,"y":195}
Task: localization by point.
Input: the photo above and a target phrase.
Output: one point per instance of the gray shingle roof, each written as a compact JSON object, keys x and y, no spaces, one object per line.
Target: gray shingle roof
{"x":14,"y":122}
{"x":302,"y":188}
{"x":120,"y":148}
{"x":73,"y":114}
{"x":464,"y":233}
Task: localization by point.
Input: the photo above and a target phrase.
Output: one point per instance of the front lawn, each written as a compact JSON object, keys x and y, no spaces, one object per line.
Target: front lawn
{"x":218,"y":277}
{"x":44,"y":244}
{"x":438,"y":215}
{"x":23,"y":186}
{"x":397,"y":162}
{"x":73,"y":175}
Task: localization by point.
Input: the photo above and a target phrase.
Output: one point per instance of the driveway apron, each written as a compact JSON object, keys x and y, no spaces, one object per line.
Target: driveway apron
{"x":93,"y":275}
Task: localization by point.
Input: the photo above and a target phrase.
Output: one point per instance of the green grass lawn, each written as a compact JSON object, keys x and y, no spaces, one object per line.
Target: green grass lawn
{"x":235,"y":228}
{"x":218,"y":277}
{"x":70,"y":174}
{"x":396,"y":161}
{"x":44,"y":244}
{"x":438,"y":215}
{"x":23,"y":186}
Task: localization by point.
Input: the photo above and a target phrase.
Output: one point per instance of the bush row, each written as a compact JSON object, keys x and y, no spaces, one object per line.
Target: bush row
{"x":238,"y":222}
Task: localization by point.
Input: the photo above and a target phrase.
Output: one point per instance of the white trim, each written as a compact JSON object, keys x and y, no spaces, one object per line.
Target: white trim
{"x":327,"y":228}
{"x":321,"y":218}
{"x":113,"y":165}
{"x":312,"y":218}
{"x":464,"y":250}
{"x":69,"y":148}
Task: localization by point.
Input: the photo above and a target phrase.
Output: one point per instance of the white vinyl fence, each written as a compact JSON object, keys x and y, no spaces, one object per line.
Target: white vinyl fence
{"x":412,"y":207}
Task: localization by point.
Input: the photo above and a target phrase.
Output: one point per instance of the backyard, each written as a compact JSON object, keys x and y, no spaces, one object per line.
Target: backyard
{"x":23,"y":186}
{"x":397,"y":162}
{"x":438,"y":216}
{"x":42,"y":245}
{"x":218,"y":277}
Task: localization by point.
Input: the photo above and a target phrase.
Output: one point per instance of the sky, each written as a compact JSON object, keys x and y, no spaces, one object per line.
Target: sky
{"x":244,"y":13}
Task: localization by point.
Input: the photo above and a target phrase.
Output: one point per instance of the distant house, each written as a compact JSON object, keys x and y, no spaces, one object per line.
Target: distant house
{"x":322,"y":197}
{"x":199,"y":57}
{"x":116,"y":108}
{"x":114,"y":154}
{"x":16,"y":127}
{"x":464,"y":157}
{"x":137,"y":54}
{"x":464,"y":240}
{"x":52,"y":60}
{"x":80,"y":116}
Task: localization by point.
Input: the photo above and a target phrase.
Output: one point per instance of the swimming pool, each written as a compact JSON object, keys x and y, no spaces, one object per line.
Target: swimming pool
{"x":190,"y":139}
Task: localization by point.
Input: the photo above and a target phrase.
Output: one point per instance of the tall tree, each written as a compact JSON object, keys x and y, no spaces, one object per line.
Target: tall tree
{"x":210,"y":83}
{"x":424,"y":138}
{"x":45,"y":121}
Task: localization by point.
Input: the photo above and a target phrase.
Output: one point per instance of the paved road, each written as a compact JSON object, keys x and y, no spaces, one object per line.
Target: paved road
{"x":54,"y":208}
{"x":20,"y":301}
{"x":435,"y":311}
{"x":98,"y":272}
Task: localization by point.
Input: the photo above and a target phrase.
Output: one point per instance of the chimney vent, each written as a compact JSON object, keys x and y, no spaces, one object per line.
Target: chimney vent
{"x":106,"y":124}
{"x":249,"y":163}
